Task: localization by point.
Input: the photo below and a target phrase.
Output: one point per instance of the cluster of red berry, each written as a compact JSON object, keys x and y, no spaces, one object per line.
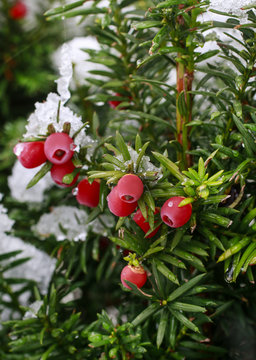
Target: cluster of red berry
{"x":58,"y":148}
{"x":122,"y":201}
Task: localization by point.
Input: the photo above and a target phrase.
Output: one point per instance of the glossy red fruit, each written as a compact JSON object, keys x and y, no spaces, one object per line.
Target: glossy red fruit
{"x":136,"y":275}
{"x":119,"y":207}
{"x":59,"y":171}
{"x":114,"y":103}
{"x":88,"y":194}
{"x":130,"y":188}
{"x":30,"y":154}
{"x":18,"y":11}
{"x":173,"y":215}
{"x":59,"y":148}
{"x":143,"y":224}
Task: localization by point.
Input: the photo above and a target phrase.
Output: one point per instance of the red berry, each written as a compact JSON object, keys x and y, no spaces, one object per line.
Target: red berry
{"x":119,"y":207}
{"x":173,"y":215}
{"x":88,"y":194}
{"x":143,"y":224}
{"x":130,"y":188}
{"x":59,"y":171}
{"x":30,"y":154}
{"x":59,"y":148}
{"x":114,"y":103}
{"x":18,"y":11}
{"x":136,"y":275}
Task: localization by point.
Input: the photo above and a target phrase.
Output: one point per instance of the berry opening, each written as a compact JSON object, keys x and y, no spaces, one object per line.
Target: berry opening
{"x":127,"y":198}
{"x":167,"y":220}
{"x":59,"y":154}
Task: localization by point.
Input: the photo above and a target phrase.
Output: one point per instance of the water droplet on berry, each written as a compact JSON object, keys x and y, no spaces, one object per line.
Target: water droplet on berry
{"x":18,"y":149}
{"x":75,"y":191}
{"x":170,"y":204}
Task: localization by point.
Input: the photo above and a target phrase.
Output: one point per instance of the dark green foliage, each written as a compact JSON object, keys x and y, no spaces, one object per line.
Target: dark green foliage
{"x":199,"y":135}
{"x":26,"y":70}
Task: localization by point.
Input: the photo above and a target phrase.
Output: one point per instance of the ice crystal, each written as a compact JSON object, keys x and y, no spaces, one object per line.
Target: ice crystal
{"x":65,"y":72}
{"x":69,"y":222}
{"x":19,"y":179}
{"x":80,"y":59}
{"x":145,"y":164}
{"x":88,"y":142}
{"x":53,"y":110}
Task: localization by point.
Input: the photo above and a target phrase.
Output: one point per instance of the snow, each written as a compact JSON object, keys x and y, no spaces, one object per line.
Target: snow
{"x":39,"y":267}
{"x":232,"y":6}
{"x":79,"y":59}
{"x":145,"y":164}
{"x":53,"y":110}
{"x":69,"y":222}
{"x":33,"y":310}
{"x":5,"y":222}
{"x":19,"y":179}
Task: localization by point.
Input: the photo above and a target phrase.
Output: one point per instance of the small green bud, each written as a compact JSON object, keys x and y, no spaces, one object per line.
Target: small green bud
{"x":94,"y":337}
{"x":66,"y":127}
{"x":189,"y":191}
{"x":53,"y":318}
{"x":113,"y":353}
{"x":202,"y":191}
{"x":56,"y":332}
{"x":51,"y":129}
{"x":71,"y":349}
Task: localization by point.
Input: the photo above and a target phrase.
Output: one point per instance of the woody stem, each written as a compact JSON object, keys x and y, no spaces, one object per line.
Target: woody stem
{"x":183,"y":111}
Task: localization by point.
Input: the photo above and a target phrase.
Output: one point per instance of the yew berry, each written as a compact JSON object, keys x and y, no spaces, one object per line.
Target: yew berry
{"x":59,"y":148}
{"x":173,"y":215}
{"x":30,"y":154}
{"x":136,"y":275}
{"x":119,"y":207}
{"x":59,"y":171}
{"x":114,"y":103}
{"x":130,"y":188}
{"x":18,"y":11}
{"x":88,"y":194}
{"x":143,"y":224}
